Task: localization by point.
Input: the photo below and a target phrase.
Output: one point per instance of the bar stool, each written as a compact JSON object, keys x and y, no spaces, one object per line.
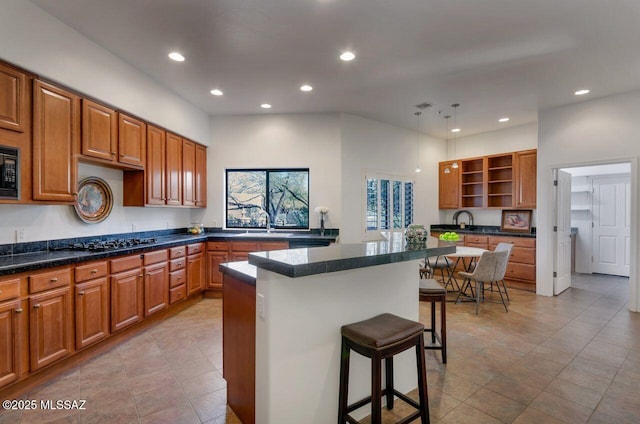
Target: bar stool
{"x":431,"y":291}
{"x":380,"y":338}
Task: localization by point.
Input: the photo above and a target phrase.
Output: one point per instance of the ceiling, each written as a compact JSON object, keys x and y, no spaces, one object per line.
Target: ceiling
{"x":495,"y":57}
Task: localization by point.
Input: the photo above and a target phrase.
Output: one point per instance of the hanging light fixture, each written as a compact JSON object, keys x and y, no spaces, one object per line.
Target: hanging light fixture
{"x":455,"y":131}
{"x":446,"y":169}
{"x":418,"y":141}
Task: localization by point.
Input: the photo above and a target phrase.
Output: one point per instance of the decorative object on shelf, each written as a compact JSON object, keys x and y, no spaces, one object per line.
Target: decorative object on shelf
{"x":418,"y":140}
{"x":94,"y":201}
{"x":322,"y":210}
{"x":416,"y":234}
{"x":516,"y":221}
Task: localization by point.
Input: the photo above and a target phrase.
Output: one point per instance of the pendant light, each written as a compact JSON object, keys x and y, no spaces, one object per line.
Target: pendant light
{"x":418,"y":141}
{"x":447,"y":170}
{"x":455,"y":134}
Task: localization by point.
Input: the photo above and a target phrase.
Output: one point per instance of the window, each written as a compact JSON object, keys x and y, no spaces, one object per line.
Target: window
{"x":257,"y":195}
{"x":389,"y":203}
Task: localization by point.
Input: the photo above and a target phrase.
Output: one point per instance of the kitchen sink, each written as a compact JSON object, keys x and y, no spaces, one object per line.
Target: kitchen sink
{"x":263,"y":235}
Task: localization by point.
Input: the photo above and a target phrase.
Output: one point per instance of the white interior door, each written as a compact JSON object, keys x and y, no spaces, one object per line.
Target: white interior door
{"x":611,"y":225}
{"x":562,"y":266}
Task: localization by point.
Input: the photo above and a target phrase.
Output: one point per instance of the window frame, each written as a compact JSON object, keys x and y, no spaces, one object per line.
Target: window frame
{"x":376,"y":233}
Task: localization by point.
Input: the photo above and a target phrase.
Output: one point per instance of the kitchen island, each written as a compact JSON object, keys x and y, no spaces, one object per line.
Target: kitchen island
{"x":282,"y":314}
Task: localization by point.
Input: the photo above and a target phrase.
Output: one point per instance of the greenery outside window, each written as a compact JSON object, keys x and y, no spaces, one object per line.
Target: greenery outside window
{"x":389,"y":203}
{"x":255,"y":196}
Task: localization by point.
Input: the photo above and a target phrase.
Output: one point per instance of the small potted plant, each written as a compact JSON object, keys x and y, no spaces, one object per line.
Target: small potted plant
{"x":322,"y":210}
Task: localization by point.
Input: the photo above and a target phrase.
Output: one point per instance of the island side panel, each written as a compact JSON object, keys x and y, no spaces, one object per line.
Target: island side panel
{"x":298,"y":340}
{"x":239,"y":341}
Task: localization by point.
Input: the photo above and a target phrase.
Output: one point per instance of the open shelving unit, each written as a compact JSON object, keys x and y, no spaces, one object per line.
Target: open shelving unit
{"x":472,"y":179}
{"x":500,"y":175}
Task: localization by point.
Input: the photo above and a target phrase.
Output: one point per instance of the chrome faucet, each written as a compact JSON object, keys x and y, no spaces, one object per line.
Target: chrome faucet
{"x":268,"y":221}
{"x":457,"y":214}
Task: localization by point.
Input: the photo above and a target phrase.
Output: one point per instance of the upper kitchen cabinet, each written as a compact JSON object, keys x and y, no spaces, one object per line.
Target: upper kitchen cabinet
{"x":132,"y":141}
{"x":449,"y":186}
{"x":13,"y":100}
{"x":99,"y":131}
{"x":56,"y":132}
{"x":174,"y":170}
{"x":500,"y":177}
{"x":201,"y":176}
{"x":155,"y":170}
{"x":472,"y":183}
{"x":188,"y":173}
{"x":526,"y":175}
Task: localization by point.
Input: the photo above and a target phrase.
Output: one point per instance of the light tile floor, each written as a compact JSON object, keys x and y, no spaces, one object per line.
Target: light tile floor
{"x":574,"y":358}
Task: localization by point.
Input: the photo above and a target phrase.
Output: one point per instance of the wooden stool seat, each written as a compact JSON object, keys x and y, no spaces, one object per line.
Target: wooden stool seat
{"x":431,"y":291}
{"x":380,"y":338}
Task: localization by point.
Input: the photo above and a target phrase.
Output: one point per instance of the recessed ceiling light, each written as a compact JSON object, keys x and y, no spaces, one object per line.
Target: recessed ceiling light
{"x":581,"y":92}
{"x":347,"y":56}
{"x":306,"y":88}
{"x":455,"y":130}
{"x":216,"y":92}
{"x":176,"y":56}
{"x":265,"y":106}
{"x":505,"y":119}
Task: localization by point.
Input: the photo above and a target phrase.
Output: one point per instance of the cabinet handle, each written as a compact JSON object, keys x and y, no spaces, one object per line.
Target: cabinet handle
{"x":122,"y":155}
{"x":54,"y":280}
{"x":140,"y":276}
{"x":113,"y":153}
{"x":81,"y":293}
{"x":19,"y":311}
{"x":36,"y":306}
{"x":94,"y":271}
{"x":0,"y":291}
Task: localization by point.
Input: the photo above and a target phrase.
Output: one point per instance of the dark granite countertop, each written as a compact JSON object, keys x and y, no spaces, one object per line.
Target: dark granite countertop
{"x":292,"y":237}
{"x":340,"y":257}
{"x":489,"y":230}
{"x":241,"y":270}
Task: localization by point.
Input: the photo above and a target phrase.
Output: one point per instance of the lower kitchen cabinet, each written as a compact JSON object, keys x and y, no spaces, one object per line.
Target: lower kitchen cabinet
{"x":50,"y":323}
{"x":127,"y":304}
{"x":156,"y":288}
{"x":195,"y":273}
{"x":10,"y":341}
{"x":92,"y":311}
{"x":214,"y":259}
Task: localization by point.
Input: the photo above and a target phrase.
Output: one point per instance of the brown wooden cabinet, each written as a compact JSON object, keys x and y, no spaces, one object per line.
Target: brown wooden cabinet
{"x":13,"y":105}
{"x":126,"y":285}
{"x":99,"y":132}
{"x":521,"y":269}
{"x":195,"y":268}
{"x":500,"y":179}
{"x":155,"y":170}
{"x":92,"y":311}
{"x":156,"y":281}
{"x":449,"y":186}
{"x":56,"y":132}
{"x":10,"y":341}
{"x":473,"y":183}
{"x":174,"y":170}
{"x":217,"y":253}
{"x":177,"y":274}
{"x":526,"y":166}
{"x":50,"y":326}
{"x":188,"y":173}
{"x":132,"y":141}
{"x":201,"y":176}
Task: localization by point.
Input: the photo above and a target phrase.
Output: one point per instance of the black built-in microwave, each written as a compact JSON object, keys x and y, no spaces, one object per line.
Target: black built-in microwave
{"x":9,"y":172}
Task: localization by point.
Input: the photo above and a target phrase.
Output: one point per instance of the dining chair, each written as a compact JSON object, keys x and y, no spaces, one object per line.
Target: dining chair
{"x":443,"y":264}
{"x":499,"y":248}
{"x":491,"y":267}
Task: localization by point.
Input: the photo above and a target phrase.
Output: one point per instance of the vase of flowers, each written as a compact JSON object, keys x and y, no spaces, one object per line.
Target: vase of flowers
{"x":322,"y":210}
{"x":416,"y":234}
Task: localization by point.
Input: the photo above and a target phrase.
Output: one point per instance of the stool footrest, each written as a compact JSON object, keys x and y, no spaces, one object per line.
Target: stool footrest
{"x":401,"y":396}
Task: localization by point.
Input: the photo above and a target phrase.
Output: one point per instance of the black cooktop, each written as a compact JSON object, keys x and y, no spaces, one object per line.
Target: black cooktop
{"x":104,"y":245}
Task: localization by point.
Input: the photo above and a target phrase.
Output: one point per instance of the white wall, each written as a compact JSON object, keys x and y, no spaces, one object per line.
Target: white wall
{"x":372,"y":145}
{"x":34,"y":40}
{"x":590,"y":132}
{"x":521,"y":137}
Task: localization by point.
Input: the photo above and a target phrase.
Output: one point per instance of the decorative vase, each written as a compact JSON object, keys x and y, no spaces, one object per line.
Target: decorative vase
{"x":416,"y":234}
{"x":322,"y":224}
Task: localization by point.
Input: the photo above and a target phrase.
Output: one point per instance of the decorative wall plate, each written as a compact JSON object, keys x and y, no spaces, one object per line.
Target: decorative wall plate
{"x":94,"y":201}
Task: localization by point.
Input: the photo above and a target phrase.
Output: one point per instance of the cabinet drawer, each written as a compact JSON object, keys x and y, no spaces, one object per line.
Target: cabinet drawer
{"x":9,"y":289}
{"x":244,"y":246}
{"x":480,"y":245}
{"x":217,"y":245}
{"x":176,"y":294}
{"x":470,"y":238}
{"x":177,"y":277}
{"x":126,"y":263}
{"x":155,"y":257}
{"x":90,"y":271}
{"x":177,"y":264}
{"x":49,"y":280}
{"x":523,"y":255}
{"x":192,"y":249}
{"x":521,"y":272}
{"x":177,"y":252}
{"x":516,"y":241}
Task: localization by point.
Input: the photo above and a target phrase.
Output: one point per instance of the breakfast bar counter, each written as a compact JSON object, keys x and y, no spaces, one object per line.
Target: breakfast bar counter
{"x":281,"y":324}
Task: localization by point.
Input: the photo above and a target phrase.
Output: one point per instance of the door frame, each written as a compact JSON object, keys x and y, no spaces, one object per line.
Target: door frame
{"x":544,"y":274}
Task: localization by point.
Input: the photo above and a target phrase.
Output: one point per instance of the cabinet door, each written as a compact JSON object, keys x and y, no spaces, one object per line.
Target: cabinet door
{"x":156,"y":288}
{"x":92,"y":311}
{"x":131,"y":141}
{"x":526,"y":190}
{"x":127,"y":305}
{"x":99,"y":131}
{"x":56,"y":132}
{"x":174,"y":169}
{"x":201,"y":176}
{"x":50,"y":327}
{"x":155,"y":168}
{"x":13,"y":86}
{"x":214,"y":259}
{"x":449,"y":186}
{"x":188,"y":173}
{"x":195,"y":274}
{"x":10,"y":313}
